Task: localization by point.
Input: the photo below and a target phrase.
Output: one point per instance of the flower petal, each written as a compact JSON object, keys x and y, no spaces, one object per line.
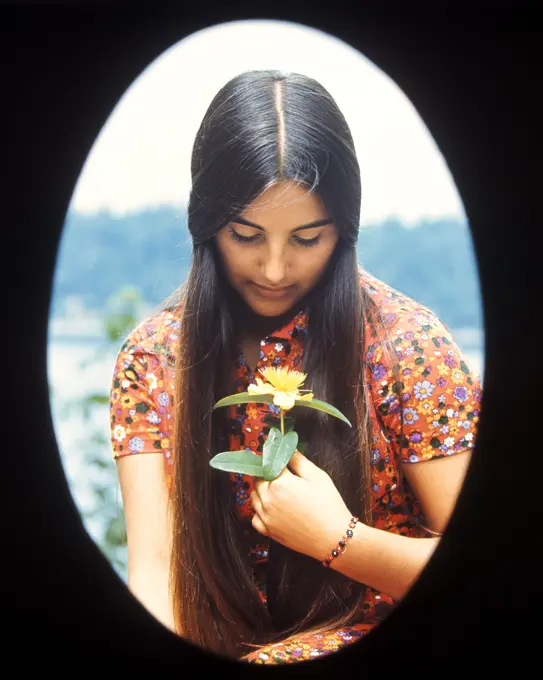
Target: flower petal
{"x":283,"y":379}
{"x":306,"y":397}
{"x":284,"y":400}
{"x":263,"y":388}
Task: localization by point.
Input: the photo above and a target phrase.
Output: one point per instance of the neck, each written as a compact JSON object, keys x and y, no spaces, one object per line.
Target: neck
{"x":252,"y":326}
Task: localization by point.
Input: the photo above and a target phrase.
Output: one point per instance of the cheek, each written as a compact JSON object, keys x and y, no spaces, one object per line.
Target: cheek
{"x":312,"y":265}
{"x":237,"y":261}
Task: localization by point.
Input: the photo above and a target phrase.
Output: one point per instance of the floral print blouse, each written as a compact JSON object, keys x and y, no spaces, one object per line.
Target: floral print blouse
{"x":441,"y":410}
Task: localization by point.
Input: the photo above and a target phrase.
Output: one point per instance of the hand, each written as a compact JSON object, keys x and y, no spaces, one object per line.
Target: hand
{"x":302,"y":509}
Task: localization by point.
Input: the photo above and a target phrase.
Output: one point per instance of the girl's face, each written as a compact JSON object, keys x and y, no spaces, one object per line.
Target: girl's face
{"x":276,"y":250}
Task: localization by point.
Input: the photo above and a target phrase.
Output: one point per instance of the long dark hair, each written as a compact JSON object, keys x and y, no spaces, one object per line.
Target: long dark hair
{"x":262,"y":128}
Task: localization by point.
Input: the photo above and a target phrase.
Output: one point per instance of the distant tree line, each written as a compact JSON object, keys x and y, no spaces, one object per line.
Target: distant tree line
{"x":432,"y":262}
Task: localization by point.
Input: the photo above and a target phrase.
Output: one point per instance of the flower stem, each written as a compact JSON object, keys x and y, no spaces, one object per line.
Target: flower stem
{"x":282,"y":423}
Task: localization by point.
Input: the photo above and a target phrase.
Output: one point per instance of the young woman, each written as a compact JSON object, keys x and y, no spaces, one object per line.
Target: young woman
{"x":235,"y":564}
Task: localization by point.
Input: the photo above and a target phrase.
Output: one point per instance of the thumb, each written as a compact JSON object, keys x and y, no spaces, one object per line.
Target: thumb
{"x":302,"y":466}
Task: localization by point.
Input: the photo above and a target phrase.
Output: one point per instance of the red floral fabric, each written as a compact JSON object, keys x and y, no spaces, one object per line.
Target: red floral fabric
{"x":441,"y":396}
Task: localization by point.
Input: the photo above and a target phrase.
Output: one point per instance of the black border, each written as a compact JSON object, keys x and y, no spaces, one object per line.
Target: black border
{"x":473,"y":75}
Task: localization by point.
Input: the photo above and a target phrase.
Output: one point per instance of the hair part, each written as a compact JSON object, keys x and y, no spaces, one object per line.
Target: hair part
{"x":260,"y":129}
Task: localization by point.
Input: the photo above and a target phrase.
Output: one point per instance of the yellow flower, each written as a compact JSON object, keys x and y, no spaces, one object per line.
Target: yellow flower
{"x":424,"y":407}
{"x":457,"y":377}
{"x":283,"y":384}
{"x":443,"y":369}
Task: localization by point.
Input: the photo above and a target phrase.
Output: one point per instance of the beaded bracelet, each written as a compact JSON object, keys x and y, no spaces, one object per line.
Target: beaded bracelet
{"x":342,"y":545}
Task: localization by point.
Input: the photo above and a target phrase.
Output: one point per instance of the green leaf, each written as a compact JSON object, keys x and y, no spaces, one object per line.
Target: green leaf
{"x":99,"y":438}
{"x":99,"y":463}
{"x":100,"y":492}
{"x":302,"y":447}
{"x":245,"y":398}
{"x":141,"y":407}
{"x":280,"y":456}
{"x":269,"y":451}
{"x":244,"y":462}
{"x":100,"y":399}
{"x":115,"y":534}
{"x":323,"y":406}
{"x":119,"y":325}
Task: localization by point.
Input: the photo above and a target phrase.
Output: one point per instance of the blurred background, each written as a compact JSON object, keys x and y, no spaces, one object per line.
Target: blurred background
{"x":125,"y":245}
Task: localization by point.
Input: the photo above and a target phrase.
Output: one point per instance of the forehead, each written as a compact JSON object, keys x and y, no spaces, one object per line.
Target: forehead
{"x":288,"y":203}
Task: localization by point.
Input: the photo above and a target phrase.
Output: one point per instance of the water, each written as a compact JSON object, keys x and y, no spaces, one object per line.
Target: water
{"x":71,"y":380}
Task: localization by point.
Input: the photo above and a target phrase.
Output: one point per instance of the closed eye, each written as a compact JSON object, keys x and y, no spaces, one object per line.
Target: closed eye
{"x":307,"y":242}
{"x":242,"y":239}
{"x":304,"y":242}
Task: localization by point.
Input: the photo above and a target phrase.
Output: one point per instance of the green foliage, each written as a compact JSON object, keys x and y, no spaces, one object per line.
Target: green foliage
{"x":244,"y":398}
{"x":244,"y":462}
{"x":277,"y":452}
{"x":123,"y":312}
{"x":433,"y":263}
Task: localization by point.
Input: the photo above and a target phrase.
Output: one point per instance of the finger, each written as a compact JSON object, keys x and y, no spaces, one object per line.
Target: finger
{"x":259,"y":525}
{"x":285,"y":472}
{"x":256,"y":502}
{"x":261,"y":486}
{"x":261,"y":489}
{"x":303,"y":467}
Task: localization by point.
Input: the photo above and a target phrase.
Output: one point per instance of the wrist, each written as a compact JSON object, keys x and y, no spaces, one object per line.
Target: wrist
{"x":338,"y":536}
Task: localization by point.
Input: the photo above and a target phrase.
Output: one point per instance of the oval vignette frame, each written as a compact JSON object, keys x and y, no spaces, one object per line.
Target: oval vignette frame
{"x":460,"y":519}
{"x":363,"y":641}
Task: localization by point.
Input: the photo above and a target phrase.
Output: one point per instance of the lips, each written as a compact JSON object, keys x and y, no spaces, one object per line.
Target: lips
{"x":272,"y":292}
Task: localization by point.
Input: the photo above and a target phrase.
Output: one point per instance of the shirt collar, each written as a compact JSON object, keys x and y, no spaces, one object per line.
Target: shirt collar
{"x":296,"y":323}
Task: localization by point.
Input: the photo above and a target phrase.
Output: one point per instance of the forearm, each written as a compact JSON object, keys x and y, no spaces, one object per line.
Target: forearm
{"x":150,"y":587}
{"x":387,"y":562}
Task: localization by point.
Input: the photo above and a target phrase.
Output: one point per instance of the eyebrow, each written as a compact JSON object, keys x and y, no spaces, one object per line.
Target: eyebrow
{"x":311,"y":225}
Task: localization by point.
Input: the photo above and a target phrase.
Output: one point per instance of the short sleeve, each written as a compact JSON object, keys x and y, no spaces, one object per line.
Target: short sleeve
{"x":440,"y":391}
{"x":139,"y":405}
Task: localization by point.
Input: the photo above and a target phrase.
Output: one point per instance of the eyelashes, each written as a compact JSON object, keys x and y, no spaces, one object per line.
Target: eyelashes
{"x":305,"y":243}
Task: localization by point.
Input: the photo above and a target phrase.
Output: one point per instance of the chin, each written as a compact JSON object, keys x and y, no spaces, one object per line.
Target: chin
{"x":271,"y":308}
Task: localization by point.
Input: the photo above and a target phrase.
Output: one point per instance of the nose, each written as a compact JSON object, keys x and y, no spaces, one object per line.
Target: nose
{"x":275,"y":265}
